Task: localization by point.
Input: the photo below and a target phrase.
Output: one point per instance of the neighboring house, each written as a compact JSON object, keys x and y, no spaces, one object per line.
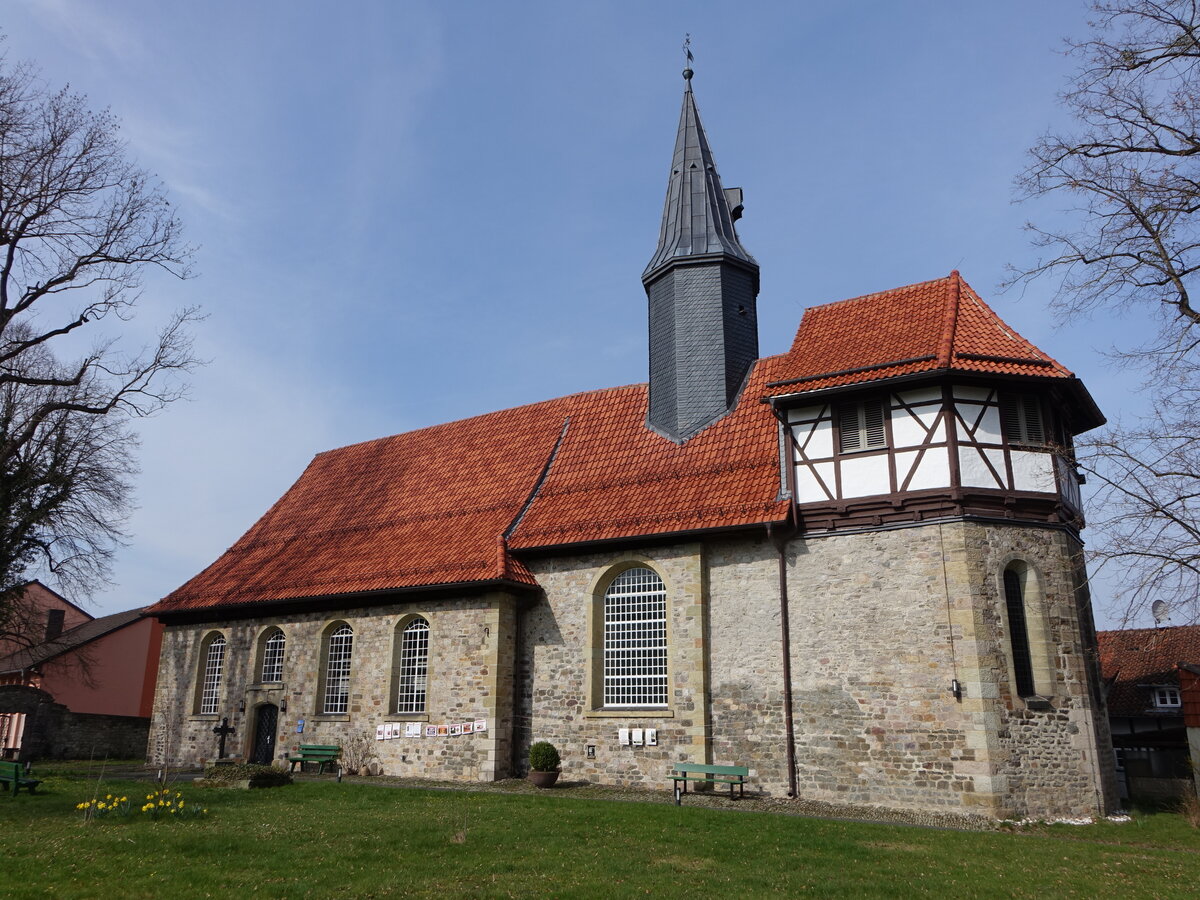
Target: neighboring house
{"x":87,"y":689}
{"x":1141,"y":668}
{"x":854,"y":567}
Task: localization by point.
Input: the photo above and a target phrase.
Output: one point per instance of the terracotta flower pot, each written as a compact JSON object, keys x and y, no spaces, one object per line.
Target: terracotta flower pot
{"x":544,"y":779}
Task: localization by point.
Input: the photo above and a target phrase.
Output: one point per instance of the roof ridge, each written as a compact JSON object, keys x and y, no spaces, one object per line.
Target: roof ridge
{"x":873,"y":294}
{"x":485,"y":415}
{"x":950,"y":319}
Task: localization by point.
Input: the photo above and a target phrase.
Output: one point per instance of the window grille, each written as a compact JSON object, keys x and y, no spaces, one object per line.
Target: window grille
{"x":861,"y":426}
{"x":414,"y":667}
{"x":635,"y":640}
{"x":272,"y":661}
{"x":1023,"y":420}
{"x":1018,"y":633}
{"x":337,"y":670}
{"x":214,"y":663}
{"x":1167,"y":697}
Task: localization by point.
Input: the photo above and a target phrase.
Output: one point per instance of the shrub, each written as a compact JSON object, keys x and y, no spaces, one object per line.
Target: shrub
{"x":543,"y":757}
{"x":1189,"y":808}
{"x":258,"y":776}
{"x":357,"y":753}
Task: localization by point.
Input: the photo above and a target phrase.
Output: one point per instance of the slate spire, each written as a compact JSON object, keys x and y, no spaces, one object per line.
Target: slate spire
{"x":702,"y":285}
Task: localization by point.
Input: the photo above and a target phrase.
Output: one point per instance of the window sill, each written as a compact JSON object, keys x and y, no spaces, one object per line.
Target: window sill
{"x":406,"y":717}
{"x":205,"y":717}
{"x":1037,"y":702}
{"x":267,"y":686}
{"x":330,"y":717}
{"x":630,"y":712}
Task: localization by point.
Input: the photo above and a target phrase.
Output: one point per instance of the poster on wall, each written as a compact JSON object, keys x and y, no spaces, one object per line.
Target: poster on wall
{"x":468,"y":728}
{"x":431,"y":731}
{"x":455,"y":730}
{"x":481,"y":724}
{"x":443,"y":730}
{"x":380,"y":733}
{"x":412,"y":729}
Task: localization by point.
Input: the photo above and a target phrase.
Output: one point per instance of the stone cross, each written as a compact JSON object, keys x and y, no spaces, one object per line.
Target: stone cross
{"x":224,"y":729}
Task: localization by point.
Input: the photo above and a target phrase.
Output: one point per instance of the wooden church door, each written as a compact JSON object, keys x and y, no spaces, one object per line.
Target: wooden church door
{"x":265,"y":727}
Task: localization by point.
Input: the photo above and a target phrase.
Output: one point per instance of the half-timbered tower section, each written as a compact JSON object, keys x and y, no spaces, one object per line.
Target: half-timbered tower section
{"x":853,"y":568}
{"x":919,"y":403}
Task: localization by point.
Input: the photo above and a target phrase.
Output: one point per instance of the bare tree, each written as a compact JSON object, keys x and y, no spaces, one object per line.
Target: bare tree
{"x":79,"y":227}
{"x":1131,"y":173}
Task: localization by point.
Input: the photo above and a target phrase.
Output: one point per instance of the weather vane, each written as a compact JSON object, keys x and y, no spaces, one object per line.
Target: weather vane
{"x":687,"y":54}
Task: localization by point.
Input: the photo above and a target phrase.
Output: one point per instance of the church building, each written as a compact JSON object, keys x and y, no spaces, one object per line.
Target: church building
{"x":854,"y":567}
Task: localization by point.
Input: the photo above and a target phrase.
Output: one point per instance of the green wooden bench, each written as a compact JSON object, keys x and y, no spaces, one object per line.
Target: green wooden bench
{"x":734,"y":776}
{"x":323,"y":754}
{"x":11,"y":773}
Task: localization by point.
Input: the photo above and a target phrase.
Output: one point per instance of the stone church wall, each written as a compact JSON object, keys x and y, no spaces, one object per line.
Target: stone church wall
{"x":470,"y":678}
{"x":882,"y":623}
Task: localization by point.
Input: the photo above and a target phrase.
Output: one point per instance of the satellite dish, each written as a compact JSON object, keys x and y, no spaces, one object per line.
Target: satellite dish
{"x":1161,"y":610}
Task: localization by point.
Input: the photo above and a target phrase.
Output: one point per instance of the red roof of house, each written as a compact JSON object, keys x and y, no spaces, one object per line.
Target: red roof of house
{"x":1134,"y":658}
{"x":446,"y":505}
{"x":926,"y":327}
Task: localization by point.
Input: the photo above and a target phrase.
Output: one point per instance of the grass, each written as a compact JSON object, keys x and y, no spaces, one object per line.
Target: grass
{"x":320,"y":838}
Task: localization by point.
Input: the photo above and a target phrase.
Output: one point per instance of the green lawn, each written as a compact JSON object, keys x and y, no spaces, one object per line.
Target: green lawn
{"x":320,"y":839}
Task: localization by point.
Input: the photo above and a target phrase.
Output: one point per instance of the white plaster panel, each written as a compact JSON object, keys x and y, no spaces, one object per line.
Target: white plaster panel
{"x":973,"y":472}
{"x":920,"y":395}
{"x":969,"y":392}
{"x":808,"y":489}
{"x":804,"y":413}
{"x":828,"y":473}
{"x":906,"y":431}
{"x":820,"y":444}
{"x":933,"y":471}
{"x":865,"y":476}
{"x":1033,"y":472}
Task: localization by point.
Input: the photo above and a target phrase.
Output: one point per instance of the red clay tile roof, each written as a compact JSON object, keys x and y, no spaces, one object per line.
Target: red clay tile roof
{"x":1132,"y":658}
{"x":931,"y":326}
{"x":432,"y":507}
{"x":446,"y":505}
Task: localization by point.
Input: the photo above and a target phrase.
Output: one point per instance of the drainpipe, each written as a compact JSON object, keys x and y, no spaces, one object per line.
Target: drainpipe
{"x":779,"y":536}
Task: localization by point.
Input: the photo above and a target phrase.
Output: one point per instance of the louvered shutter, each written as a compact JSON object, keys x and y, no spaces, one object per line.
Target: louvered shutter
{"x":1034,"y":433}
{"x":875,"y":434}
{"x":849,"y":427}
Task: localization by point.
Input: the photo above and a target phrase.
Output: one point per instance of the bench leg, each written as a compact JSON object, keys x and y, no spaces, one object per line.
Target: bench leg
{"x":678,"y":795}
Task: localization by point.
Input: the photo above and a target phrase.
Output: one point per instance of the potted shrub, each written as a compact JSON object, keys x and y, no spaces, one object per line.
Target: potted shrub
{"x":543,"y":764}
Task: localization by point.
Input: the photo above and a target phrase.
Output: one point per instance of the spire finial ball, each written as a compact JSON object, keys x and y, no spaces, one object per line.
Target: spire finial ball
{"x":687,"y":74}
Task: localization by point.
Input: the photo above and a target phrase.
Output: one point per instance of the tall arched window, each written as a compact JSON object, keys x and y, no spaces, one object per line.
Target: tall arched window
{"x":635,"y":640}
{"x":214,"y":667}
{"x":1018,"y":632}
{"x":412,"y":668}
{"x":272,"y":657}
{"x":338,"y":651}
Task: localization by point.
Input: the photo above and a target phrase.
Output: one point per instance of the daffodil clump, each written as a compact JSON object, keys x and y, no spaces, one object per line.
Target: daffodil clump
{"x":168,"y":804}
{"x":110,"y":806}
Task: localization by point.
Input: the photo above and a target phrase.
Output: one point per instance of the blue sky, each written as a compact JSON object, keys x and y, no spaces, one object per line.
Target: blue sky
{"x":409,"y":213}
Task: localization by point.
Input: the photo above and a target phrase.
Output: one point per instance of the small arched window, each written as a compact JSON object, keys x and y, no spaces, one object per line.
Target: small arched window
{"x":272,"y":657}
{"x":214,"y":668}
{"x":338,"y":651}
{"x":412,"y":667}
{"x":635,"y":639}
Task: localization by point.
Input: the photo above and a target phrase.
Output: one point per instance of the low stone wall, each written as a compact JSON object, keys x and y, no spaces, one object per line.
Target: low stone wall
{"x":54,"y":732}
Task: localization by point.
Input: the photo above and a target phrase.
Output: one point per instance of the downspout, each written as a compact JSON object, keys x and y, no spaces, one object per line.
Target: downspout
{"x":779,"y":536}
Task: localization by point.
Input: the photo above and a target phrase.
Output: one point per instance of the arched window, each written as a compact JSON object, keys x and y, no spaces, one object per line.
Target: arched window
{"x":213,"y":660}
{"x":1018,"y":632}
{"x":412,"y":667}
{"x":339,"y":648}
{"x":635,"y":640}
{"x":271,"y":671}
